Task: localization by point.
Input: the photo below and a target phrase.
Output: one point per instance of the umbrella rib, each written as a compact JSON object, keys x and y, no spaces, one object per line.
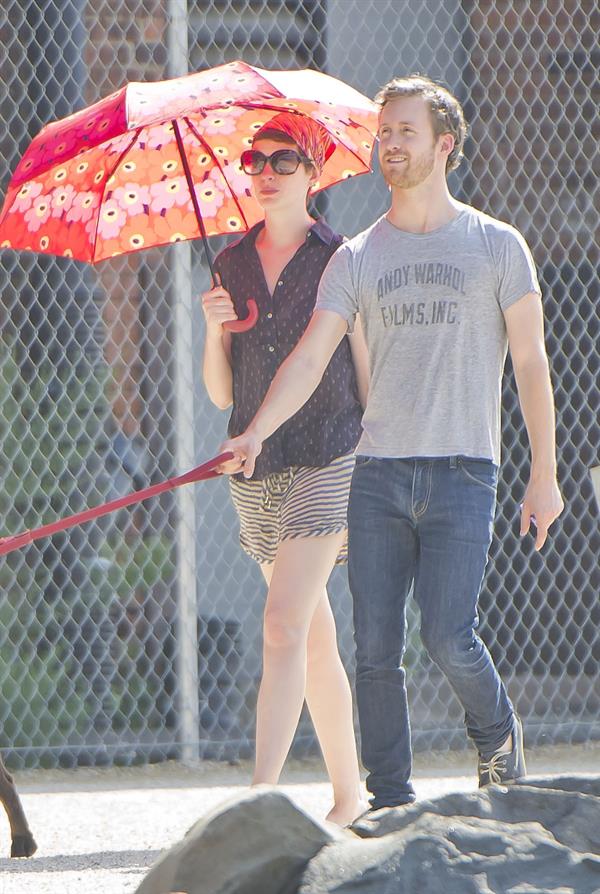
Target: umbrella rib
{"x":193,"y":196}
{"x":206,"y":146}
{"x":108,"y":176}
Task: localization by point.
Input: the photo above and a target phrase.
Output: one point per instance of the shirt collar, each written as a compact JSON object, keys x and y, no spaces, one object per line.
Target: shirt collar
{"x":322,"y":229}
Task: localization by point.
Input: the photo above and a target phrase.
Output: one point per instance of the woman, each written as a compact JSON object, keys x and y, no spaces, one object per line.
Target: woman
{"x":293,"y":510}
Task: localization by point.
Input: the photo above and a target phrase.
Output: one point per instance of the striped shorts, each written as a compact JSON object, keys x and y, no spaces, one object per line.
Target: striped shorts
{"x":302,"y":501}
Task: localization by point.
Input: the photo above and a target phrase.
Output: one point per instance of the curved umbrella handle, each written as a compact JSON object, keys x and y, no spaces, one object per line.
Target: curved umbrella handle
{"x":248,"y":322}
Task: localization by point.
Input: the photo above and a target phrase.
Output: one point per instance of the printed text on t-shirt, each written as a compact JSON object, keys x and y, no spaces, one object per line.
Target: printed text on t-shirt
{"x":421,"y":313}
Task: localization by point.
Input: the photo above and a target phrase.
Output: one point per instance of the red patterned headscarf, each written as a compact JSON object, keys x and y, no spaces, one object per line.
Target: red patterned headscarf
{"x":310,"y":136}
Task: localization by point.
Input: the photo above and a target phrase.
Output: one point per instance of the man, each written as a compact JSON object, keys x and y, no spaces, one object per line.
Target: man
{"x":441,"y":290}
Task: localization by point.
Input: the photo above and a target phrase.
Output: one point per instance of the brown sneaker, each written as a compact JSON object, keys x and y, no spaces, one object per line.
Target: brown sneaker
{"x":504,"y":767}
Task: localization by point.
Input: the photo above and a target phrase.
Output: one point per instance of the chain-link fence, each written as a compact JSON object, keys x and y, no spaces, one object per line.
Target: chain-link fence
{"x":138,"y":637}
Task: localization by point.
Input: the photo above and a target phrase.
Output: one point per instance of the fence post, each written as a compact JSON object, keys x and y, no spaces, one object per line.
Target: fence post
{"x":186,"y":623}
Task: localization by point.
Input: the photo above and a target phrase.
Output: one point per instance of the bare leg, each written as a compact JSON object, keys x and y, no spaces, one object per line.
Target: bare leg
{"x":296,"y":604}
{"x":329,"y":701}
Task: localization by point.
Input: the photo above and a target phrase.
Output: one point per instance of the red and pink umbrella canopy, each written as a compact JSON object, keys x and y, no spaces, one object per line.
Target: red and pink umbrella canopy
{"x":154,"y":163}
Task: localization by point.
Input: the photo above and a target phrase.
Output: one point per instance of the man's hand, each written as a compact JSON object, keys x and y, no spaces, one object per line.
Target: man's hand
{"x":245,"y":449}
{"x":541,"y":506}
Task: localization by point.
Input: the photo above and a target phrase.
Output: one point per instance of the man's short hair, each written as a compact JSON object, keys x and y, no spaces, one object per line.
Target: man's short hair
{"x":446,"y":112}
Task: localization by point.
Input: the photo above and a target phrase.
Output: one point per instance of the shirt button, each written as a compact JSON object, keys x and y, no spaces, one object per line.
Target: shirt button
{"x":280,"y":283}
{"x":271,"y":348}
{"x":269,"y":315}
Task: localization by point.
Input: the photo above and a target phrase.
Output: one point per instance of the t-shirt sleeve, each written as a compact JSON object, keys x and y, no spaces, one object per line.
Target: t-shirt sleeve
{"x":337,"y":289}
{"x":516,"y":269}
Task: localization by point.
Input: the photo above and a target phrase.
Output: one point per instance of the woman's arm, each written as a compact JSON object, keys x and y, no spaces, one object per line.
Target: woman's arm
{"x":216,"y":368}
{"x":360,"y":358}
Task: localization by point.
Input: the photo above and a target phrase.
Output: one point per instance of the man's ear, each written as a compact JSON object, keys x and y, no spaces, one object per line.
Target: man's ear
{"x":447,"y":142}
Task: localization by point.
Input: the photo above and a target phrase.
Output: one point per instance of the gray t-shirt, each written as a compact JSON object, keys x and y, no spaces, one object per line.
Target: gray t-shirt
{"x":431,"y":307}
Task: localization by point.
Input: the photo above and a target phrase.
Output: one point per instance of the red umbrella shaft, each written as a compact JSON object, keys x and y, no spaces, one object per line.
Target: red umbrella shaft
{"x":250,"y":320}
{"x":194,"y":197}
{"x":199,"y":473}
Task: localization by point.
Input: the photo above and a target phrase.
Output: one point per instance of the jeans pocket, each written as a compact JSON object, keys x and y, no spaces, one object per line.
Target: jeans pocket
{"x":364,"y":460}
{"x":481,"y":472}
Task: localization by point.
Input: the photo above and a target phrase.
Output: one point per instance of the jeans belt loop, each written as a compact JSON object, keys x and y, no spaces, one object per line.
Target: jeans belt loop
{"x":454,"y":462}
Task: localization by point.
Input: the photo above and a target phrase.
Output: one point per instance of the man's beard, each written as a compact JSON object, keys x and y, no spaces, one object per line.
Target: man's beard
{"x":411,"y":173}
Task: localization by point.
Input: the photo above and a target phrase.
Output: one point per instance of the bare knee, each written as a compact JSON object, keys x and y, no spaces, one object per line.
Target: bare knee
{"x":282,"y":633}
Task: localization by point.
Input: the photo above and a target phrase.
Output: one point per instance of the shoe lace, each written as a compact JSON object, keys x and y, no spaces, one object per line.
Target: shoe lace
{"x":495,"y":767}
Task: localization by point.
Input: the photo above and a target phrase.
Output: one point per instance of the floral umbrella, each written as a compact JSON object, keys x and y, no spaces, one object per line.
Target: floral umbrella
{"x":158,"y":163}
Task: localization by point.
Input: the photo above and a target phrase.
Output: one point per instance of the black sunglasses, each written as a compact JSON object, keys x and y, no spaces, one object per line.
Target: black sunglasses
{"x":284,"y":161}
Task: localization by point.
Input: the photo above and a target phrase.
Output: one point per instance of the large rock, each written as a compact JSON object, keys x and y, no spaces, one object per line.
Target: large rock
{"x":524,"y":839}
{"x":453,"y":855}
{"x":256,"y":843}
{"x":572,"y":818}
{"x":586,"y":785}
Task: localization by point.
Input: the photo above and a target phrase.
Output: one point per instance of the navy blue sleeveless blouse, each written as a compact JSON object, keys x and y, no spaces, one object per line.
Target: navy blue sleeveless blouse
{"x":329,"y":423}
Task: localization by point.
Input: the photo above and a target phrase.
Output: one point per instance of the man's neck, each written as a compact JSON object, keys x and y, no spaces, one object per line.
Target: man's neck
{"x":422,"y":209}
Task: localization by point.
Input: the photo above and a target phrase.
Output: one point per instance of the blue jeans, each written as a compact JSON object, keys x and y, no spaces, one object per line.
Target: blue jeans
{"x":425,"y":523}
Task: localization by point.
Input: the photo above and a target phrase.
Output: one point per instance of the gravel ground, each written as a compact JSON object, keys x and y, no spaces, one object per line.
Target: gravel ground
{"x":98,"y":831}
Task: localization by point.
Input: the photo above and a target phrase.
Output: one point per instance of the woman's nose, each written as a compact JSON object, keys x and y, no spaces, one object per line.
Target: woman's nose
{"x":267,"y":172}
